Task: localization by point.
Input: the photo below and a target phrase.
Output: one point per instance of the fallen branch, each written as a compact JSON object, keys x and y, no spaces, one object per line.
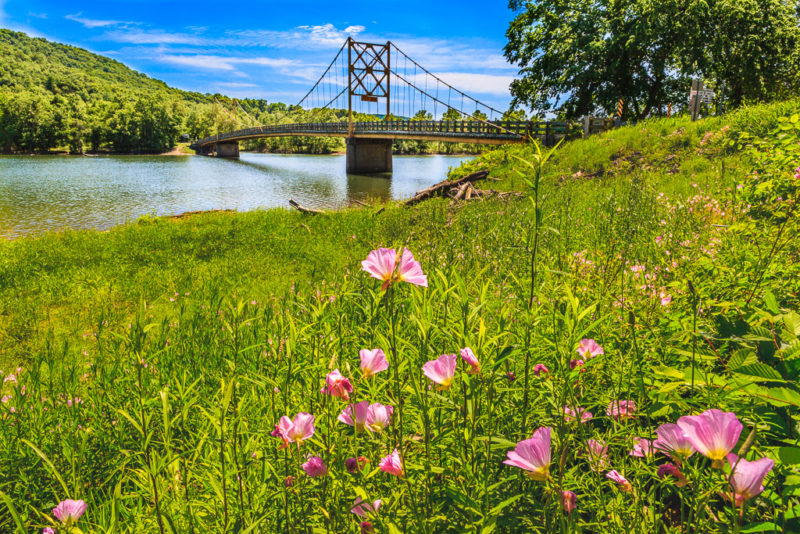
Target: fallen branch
{"x":445,"y":187}
{"x":302,"y":209}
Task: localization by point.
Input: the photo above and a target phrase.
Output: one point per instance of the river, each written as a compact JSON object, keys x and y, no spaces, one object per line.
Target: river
{"x":42,"y":193}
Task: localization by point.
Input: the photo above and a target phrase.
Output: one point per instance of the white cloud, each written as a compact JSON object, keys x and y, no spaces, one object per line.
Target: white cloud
{"x":96,"y":23}
{"x":154,"y":37}
{"x":236,"y":85}
{"x":302,"y":37}
{"x":225,"y":63}
{"x":476,"y":84}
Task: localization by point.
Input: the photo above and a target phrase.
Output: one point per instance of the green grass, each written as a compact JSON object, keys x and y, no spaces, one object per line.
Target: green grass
{"x":186,"y":340}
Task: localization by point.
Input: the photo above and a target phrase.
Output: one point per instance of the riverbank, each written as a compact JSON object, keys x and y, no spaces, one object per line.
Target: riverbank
{"x":185,"y":341}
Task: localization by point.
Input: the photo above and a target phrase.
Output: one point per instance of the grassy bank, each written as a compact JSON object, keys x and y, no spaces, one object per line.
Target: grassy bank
{"x":155,"y":359}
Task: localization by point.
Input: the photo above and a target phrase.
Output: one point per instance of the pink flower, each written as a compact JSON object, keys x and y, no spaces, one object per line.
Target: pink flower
{"x":797,"y":173}
{"x":671,"y":470}
{"x":665,"y":298}
{"x":441,"y":370}
{"x":589,"y":348}
{"x":577,"y":364}
{"x":673,"y":442}
{"x":578,"y":413}
{"x":619,"y":479}
{"x":392,"y":464}
{"x":366,"y":527}
{"x":713,"y":433}
{"x":48,"y":530}
{"x":621,"y":409}
{"x":364,"y":508}
{"x":383,"y":264}
{"x":372,"y":362}
{"x":642,"y":448}
{"x":540,"y":368}
{"x":598,"y":454}
{"x":469,"y":358}
{"x":337,"y":386}
{"x":747,"y":477}
{"x":354,"y":465}
{"x":568,"y":500}
{"x":295,"y":431}
{"x":315,"y":467}
{"x":69,"y":511}
{"x":533,"y":455}
{"x":379,"y":417}
{"x":346,"y":416}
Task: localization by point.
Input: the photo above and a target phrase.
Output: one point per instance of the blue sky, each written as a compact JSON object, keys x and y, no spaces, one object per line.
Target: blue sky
{"x":276,"y":50}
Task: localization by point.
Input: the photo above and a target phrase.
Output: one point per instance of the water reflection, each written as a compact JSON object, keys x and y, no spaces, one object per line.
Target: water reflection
{"x":45,"y":193}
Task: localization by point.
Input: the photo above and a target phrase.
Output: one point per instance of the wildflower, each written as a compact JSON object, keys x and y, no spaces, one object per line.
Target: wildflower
{"x":598,"y":454}
{"x":372,"y":362}
{"x":364,"y":508}
{"x":673,"y":442}
{"x":540,"y":368}
{"x":573,"y":364}
{"x":48,"y":530}
{"x":379,"y":417}
{"x":337,"y":386}
{"x":797,"y":173}
{"x":315,"y":467}
{"x":288,"y":481}
{"x":361,"y":410}
{"x":642,"y":448}
{"x":511,"y":376}
{"x":578,"y":413}
{"x":354,"y":465}
{"x":621,"y":409}
{"x":366,"y":527}
{"x":665,"y":298}
{"x":392,"y":464}
{"x":383,"y":264}
{"x":568,"y":499}
{"x":295,"y":431}
{"x":441,"y":370}
{"x":713,"y":433}
{"x":671,"y":470}
{"x":589,"y":348}
{"x":619,"y":479}
{"x":69,"y":511}
{"x":533,"y":455}
{"x":746,"y":478}
{"x":659,"y":239}
{"x":469,"y":358}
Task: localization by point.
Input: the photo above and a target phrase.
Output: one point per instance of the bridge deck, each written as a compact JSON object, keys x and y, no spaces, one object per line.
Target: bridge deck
{"x":479,"y":132}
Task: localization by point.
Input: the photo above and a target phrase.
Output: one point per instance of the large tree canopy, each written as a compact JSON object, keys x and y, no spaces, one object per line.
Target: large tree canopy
{"x":581,"y":56}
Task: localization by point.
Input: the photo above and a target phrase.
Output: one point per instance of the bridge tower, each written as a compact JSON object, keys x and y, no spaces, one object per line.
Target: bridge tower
{"x":368,"y":78}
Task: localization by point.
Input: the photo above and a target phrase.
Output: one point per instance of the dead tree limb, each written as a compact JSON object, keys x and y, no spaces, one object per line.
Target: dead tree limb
{"x":445,"y":187}
{"x":293,"y":203}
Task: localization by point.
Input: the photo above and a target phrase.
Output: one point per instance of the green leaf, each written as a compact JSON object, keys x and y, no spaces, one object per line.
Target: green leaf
{"x":789,"y":455}
{"x":13,"y":511}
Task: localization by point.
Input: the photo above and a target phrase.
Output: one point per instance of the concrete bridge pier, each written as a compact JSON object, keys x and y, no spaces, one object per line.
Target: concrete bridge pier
{"x":228,"y":150}
{"x":368,"y":156}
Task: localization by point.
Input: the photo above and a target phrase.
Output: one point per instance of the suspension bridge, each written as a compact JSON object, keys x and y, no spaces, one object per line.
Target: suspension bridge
{"x":405,"y":101}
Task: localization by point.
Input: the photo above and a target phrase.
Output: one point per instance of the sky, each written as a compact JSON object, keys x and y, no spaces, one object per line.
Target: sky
{"x":276,"y":50}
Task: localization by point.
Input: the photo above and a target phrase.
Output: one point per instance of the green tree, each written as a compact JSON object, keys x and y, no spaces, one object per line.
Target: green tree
{"x":582,"y":56}
{"x":451,"y":115}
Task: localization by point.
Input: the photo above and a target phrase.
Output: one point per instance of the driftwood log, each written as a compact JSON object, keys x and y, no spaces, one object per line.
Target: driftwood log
{"x":302,"y":209}
{"x":445,"y":187}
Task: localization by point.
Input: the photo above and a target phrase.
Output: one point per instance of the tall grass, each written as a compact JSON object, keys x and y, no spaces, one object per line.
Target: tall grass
{"x":206,"y":331}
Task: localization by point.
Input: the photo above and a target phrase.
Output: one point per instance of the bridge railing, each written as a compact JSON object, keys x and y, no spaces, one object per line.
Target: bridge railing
{"x":475,"y":129}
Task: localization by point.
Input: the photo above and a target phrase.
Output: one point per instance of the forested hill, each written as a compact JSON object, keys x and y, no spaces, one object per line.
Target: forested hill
{"x":55,"y":96}
{"x":34,"y":64}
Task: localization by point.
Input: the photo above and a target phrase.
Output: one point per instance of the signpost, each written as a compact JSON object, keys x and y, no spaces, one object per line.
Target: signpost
{"x":620,"y":108}
{"x":698,"y":96}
